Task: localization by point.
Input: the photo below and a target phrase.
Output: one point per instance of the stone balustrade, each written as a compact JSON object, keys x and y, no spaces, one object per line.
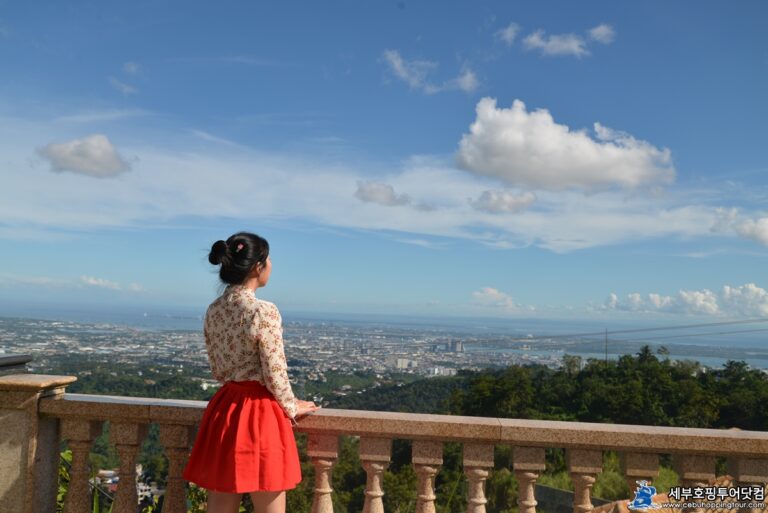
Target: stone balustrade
{"x":36,"y":413}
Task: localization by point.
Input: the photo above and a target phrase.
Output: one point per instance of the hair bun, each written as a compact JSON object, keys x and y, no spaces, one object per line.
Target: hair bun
{"x":219,"y":252}
{"x":238,"y":256}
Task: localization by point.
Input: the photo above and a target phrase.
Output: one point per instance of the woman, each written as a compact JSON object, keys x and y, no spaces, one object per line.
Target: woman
{"x":245,"y":441}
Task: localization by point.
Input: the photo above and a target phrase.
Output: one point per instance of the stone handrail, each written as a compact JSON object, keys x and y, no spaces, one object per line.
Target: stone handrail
{"x":35,"y":414}
{"x":14,"y":363}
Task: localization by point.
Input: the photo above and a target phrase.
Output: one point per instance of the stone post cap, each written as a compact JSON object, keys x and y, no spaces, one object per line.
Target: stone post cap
{"x":33,"y":382}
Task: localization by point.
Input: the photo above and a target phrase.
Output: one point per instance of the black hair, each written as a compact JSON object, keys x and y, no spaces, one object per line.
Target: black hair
{"x":238,"y":255}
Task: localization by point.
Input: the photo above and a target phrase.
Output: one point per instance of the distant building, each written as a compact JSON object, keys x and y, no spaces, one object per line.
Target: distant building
{"x":441,"y":371}
{"x":106,"y":474}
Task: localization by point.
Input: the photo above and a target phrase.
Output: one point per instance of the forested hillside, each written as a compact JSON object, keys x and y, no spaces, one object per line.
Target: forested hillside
{"x":637,"y":389}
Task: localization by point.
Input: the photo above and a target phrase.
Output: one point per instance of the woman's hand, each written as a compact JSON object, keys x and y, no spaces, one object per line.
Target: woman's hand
{"x":305,"y":408}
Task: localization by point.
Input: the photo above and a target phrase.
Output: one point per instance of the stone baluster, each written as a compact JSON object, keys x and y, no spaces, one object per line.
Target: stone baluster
{"x":750,"y":472}
{"x":527,"y":463}
{"x":694,"y":470}
{"x":583,"y":465}
{"x":323,"y":450}
{"x":176,"y":440}
{"x":127,"y":437}
{"x":638,"y":466}
{"x":478,"y":458}
{"x":374,"y":454}
{"x":427,"y":457}
{"x":79,"y":434}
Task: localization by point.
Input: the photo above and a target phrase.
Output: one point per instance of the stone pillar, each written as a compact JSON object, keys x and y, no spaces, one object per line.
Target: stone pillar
{"x":176,"y":440}
{"x":527,"y":463}
{"x":323,"y":450}
{"x":750,"y":472}
{"x":427,"y":457}
{"x":79,"y":434}
{"x":478,"y":458}
{"x":375,"y":454}
{"x":637,"y":466}
{"x":29,"y":459}
{"x":694,"y":470}
{"x":583,"y":465}
{"x":127,"y":437}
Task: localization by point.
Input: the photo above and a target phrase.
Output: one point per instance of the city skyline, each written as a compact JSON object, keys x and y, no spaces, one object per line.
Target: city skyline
{"x":544,"y":160}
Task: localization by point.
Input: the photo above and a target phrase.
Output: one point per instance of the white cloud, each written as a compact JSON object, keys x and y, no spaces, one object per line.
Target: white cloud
{"x":497,"y":202}
{"x":530,"y":149}
{"x":747,"y":300}
{"x":99,"y":282}
{"x":568,"y":44}
{"x":131,"y":68}
{"x":92,"y":156}
{"x":102,"y":116}
{"x":494,"y":298}
{"x":508,"y":33}
{"x":603,"y":33}
{"x":380,"y":193}
{"x":122,"y":86}
{"x":416,"y":74}
{"x":45,"y":281}
{"x":729,"y":220}
{"x":725,"y":219}
{"x":697,"y":301}
{"x":212,"y":138}
{"x":557,"y":44}
{"x":467,"y":81}
{"x":187,"y":179}
{"x":166,"y":185}
{"x":421,"y":243}
{"x":66,"y":283}
{"x":754,"y":229}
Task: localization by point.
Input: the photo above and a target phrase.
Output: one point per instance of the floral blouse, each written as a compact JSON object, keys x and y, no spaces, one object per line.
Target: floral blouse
{"x":244,"y":338}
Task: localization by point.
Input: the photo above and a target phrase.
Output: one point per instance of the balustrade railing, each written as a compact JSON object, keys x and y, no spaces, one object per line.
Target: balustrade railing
{"x":35,"y":414}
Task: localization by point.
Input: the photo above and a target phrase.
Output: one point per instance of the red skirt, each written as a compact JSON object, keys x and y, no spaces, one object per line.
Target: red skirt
{"x":245,"y":443}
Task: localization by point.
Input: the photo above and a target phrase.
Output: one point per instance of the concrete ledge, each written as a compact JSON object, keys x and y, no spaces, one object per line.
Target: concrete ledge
{"x":410,"y":426}
{"x":177,"y":411}
{"x":623,"y":437}
{"x":114,"y":407}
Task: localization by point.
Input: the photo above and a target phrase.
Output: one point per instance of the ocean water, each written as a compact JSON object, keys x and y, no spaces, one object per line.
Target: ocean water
{"x":150,"y":319}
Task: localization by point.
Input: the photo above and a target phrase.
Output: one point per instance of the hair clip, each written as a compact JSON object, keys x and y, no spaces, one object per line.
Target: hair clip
{"x":239,"y":247}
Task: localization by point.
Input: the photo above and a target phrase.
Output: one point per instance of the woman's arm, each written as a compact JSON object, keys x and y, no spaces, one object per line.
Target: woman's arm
{"x":267,"y":330}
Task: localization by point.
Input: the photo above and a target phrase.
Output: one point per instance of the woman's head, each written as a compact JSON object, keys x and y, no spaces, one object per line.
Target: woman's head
{"x":239,"y":256}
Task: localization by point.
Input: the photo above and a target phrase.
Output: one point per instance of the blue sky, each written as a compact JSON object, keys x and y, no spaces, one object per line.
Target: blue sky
{"x":528,"y":159}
